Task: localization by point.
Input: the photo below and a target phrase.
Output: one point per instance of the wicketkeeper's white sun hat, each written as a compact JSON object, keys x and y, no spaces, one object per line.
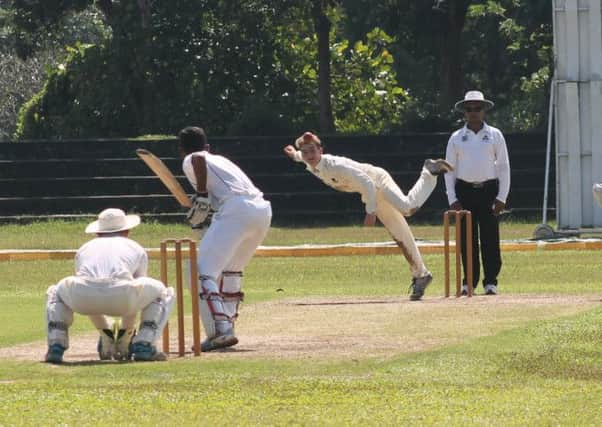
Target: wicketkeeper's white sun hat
{"x":112,"y":220}
{"x":474,"y":96}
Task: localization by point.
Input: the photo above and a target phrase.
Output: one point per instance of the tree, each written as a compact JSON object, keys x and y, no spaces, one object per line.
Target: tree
{"x":323,"y":26}
{"x":514,"y":62}
{"x":445,"y":47}
{"x":228,"y":65}
{"x":450,"y":17}
{"x":22,"y":77}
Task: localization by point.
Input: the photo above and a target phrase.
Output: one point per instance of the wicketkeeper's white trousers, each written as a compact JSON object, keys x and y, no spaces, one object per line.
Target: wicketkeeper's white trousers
{"x":98,"y":298}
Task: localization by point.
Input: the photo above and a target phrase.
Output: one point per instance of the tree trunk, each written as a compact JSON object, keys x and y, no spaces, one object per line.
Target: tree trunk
{"x":145,"y":14}
{"x":323,"y":25}
{"x":106,"y":6}
{"x":451,"y":74}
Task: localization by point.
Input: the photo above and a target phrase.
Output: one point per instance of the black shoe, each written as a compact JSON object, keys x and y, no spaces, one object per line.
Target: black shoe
{"x":226,"y":339}
{"x":437,"y":166}
{"x":419,"y":285}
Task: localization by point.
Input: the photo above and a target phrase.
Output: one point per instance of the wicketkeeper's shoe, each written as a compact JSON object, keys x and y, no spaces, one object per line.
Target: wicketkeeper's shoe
{"x":106,"y":344}
{"x":464,"y":290}
{"x":123,"y":343}
{"x":437,"y":166}
{"x":146,"y":352}
{"x":55,"y":354}
{"x":226,"y":339}
{"x":419,"y":285}
{"x":490,"y":289}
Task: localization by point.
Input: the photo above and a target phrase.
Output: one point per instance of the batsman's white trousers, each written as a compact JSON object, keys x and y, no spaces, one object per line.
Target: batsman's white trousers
{"x":391,"y":206}
{"x":236,"y":231}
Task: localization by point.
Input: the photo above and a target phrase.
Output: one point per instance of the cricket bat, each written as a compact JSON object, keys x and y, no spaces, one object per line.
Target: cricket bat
{"x":165,"y":175}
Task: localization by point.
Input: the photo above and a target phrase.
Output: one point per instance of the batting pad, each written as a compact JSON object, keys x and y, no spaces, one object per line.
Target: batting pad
{"x":59,"y":318}
{"x":154,"y":317}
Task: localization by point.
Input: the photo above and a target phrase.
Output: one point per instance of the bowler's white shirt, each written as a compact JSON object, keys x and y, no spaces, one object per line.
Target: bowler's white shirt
{"x":347,"y":175}
{"x":478,"y":157}
{"x":224,"y":179}
{"x":111,"y":257}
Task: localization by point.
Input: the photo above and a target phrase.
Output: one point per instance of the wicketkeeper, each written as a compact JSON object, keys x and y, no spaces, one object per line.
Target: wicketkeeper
{"x":381,"y":195}
{"x":110,"y":280}
{"x":240,"y":223}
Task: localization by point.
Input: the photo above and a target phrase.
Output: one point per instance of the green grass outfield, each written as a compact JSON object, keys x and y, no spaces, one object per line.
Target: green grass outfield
{"x":536,"y":372}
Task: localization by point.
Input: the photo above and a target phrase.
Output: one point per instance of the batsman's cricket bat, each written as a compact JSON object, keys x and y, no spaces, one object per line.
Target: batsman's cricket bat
{"x":165,"y":175}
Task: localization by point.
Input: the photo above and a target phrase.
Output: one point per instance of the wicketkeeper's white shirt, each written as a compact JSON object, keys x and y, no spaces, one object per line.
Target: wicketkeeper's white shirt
{"x":224,"y":179}
{"x":112,"y":257}
{"x":344,"y":174}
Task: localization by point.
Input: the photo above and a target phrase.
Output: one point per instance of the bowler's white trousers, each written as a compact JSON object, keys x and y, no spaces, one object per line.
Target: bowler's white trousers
{"x":391,"y":206}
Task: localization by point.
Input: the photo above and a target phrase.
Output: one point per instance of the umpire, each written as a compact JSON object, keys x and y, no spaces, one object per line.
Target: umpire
{"x":480,"y":183}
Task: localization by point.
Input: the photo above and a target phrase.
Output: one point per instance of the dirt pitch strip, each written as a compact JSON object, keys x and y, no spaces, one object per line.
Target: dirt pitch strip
{"x":353,"y":327}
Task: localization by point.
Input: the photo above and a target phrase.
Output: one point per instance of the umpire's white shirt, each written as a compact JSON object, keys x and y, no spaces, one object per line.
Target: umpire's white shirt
{"x":347,"y":175}
{"x":224,"y":179}
{"x":478,"y":157}
{"x":114,"y":257}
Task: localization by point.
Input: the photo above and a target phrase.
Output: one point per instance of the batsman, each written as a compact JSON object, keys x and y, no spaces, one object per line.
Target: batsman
{"x":240,"y":222}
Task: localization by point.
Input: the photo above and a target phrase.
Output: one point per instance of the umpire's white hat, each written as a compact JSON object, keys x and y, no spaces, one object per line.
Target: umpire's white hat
{"x":474,"y":96}
{"x":113,"y":220}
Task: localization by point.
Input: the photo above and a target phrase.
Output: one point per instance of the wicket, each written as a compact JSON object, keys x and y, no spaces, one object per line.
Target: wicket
{"x":458,"y":215}
{"x":192,"y":256}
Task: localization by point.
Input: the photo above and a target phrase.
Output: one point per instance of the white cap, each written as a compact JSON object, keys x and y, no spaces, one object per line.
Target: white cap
{"x":112,"y":220}
{"x":474,"y":96}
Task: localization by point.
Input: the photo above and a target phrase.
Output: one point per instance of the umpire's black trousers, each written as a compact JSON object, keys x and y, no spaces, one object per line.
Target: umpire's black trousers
{"x":479,"y":199}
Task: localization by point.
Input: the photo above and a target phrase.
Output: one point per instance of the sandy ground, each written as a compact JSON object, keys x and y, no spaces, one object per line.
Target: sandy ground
{"x":353,"y":328}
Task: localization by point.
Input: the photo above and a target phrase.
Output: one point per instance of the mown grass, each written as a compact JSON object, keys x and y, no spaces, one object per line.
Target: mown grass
{"x":70,"y":234}
{"x":22,"y":292}
{"x":549,"y":373}
{"x":542,"y":373}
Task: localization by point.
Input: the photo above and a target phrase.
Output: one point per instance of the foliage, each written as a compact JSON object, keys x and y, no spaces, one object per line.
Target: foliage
{"x":368,"y":98}
{"x":19,"y":82}
{"x":505,"y":50}
{"x":195,"y":75}
{"x":520,"y":42}
{"x":22,"y":76}
{"x":71,"y":99}
{"x":251,"y":66}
